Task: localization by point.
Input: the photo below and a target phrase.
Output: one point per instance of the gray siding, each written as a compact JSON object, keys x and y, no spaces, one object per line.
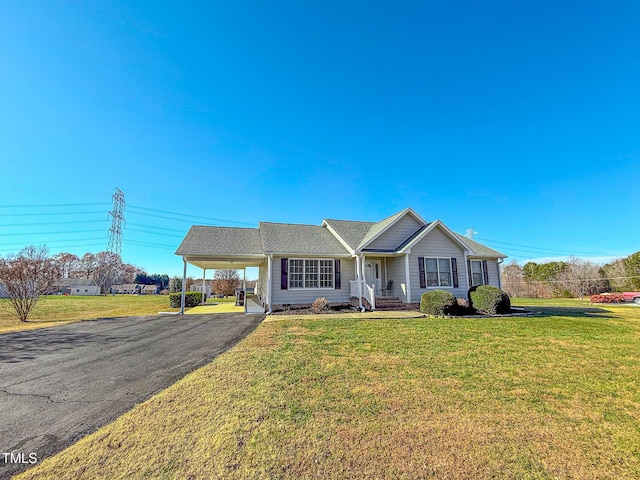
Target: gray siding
{"x":494,"y":271}
{"x":437,"y":244}
{"x":395,"y":272}
{"x":396,"y":235}
{"x":262,"y":283}
{"x":298,"y":296}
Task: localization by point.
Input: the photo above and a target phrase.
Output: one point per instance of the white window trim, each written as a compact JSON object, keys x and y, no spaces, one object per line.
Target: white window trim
{"x":471,"y":260}
{"x":426,"y":277}
{"x":304,"y":274}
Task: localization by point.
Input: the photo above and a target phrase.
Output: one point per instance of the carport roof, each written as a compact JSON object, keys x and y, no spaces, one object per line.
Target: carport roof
{"x":224,"y":241}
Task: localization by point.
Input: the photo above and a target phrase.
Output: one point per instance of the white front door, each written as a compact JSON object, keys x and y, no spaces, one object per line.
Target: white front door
{"x":373,"y":274}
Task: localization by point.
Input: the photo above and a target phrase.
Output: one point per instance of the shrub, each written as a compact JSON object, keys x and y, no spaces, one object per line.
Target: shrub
{"x":191,"y":299}
{"x":320,"y":305}
{"x":438,"y":302}
{"x":489,"y":300}
{"x":607,"y":298}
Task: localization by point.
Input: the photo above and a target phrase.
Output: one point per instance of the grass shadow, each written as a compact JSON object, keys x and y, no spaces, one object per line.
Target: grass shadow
{"x":556,"y":311}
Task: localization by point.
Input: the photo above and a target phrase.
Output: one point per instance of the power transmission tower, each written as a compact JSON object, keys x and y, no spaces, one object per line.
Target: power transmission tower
{"x":115,"y":232}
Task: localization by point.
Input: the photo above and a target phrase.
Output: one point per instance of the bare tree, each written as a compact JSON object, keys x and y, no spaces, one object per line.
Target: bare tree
{"x":225,"y":282}
{"x":513,"y":282}
{"x":26,"y":277}
{"x":68,"y":263}
{"x":581,"y":278}
{"x":108,"y":270}
{"x":87,"y":265}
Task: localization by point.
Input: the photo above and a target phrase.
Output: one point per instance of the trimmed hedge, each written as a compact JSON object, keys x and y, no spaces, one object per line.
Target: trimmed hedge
{"x":607,"y":298}
{"x":191,"y":299}
{"x":489,"y":300}
{"x":438,"y":302}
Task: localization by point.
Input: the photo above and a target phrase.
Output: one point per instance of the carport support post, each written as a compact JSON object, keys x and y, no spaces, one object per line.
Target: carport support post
{"x":184,"y":285}
{"x":204,"y":288}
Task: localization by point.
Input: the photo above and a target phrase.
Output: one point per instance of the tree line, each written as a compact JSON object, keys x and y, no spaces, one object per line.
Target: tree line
{"x":32,"y":273}
{"x":574,"y":278}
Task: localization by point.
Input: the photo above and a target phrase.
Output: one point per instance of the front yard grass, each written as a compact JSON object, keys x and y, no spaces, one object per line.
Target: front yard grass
{"x":60,"y":309}
{"x":552,"y":396}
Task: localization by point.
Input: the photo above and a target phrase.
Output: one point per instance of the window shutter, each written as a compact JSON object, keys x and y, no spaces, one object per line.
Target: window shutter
{"x":469,"y":273}
{"x":284,"y":274}
{"x":485,"y":271}
{"x":454,"y":271}
{"x":423,"y":278}
{"x":336,"y":272}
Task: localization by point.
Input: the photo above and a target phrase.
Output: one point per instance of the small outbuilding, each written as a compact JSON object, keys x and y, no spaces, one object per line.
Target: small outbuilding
{"x":76,"y":286}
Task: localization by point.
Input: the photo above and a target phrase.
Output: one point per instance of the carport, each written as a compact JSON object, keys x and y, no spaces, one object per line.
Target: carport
{"x":252,"y":303}
{"x":234,"y":249}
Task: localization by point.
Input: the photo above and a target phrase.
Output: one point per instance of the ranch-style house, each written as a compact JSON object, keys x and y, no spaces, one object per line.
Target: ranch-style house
{"x":346,"y":261}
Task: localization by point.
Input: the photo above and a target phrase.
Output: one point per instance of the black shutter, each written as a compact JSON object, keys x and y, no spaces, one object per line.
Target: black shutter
{"x":336,"y":272}
{"x":284,"y":274}
{"x":485,"y":271}
{"x":469,"y":273}
{"x":423,"y":278}
{"x":454,"y":270}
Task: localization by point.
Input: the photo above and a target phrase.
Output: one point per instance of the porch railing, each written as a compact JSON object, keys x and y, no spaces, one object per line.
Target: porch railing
{"x":360,"y":288}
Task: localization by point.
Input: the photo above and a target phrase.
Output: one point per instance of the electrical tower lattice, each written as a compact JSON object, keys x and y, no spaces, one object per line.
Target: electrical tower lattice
{"x":115,"y":232}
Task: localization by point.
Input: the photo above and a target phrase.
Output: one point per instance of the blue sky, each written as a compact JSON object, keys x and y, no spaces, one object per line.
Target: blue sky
{"x":520,"y":120}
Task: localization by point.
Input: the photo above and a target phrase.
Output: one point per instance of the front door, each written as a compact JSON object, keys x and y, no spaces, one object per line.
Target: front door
{"x":373,"y":274}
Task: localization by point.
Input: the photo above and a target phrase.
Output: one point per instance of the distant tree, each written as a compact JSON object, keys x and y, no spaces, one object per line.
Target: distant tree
{"x":108,"y":270}
{"x":129,"y":273}
{"x":581,"y":278}
{"x":67,"y":263}
{"x":87,"y":265}
{"x":175,"y":285}
{"x":623,"y":274}
{"x":513,"y":281}
{"x":632,"y":264}
{"x":143,"y":278}
{"x":225,"y":282}
{"x":26,"y":277}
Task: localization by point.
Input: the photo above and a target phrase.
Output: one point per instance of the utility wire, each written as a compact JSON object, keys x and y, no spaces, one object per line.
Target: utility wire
{"x":185,"y":216}
{"x":48,"y":214}
{"x":55,"y":205}
{"x":542,"y":250}
{"x":51,"y":223}
{"x":51,"y":233}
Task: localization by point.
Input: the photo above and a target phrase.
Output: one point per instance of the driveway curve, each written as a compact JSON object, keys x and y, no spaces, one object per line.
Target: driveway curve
{"x":59,"y":384}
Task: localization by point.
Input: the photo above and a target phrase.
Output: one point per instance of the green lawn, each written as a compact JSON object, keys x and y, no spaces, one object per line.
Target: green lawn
{"x":551,"y":396}
{"x":59,"y":309}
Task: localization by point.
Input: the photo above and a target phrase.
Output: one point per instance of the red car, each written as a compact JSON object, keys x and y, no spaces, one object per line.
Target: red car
{"x":631,"y":297}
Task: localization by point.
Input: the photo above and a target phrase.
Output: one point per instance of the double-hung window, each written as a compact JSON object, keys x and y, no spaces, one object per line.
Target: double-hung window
{"x":438,"y":271}
{"x":311,"y":273}
{"x":476,"y":272}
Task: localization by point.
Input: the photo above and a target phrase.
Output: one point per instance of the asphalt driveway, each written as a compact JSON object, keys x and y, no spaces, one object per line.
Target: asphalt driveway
{"x":59,"y":384}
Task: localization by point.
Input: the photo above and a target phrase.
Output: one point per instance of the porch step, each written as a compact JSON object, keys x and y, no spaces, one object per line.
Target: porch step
{"x":390,"y":303}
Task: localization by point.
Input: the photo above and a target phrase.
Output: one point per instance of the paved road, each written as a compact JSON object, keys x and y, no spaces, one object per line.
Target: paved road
{"x":59,"y":384}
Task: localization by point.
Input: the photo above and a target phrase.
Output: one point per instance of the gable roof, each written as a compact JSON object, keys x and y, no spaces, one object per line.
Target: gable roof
{"x":479,"y":249}
{"x":357,"y":235}
{"x":286,"y":238}
{"x":349,"y":231}
{"x":75,"y":282}
{"x":332,"y":238}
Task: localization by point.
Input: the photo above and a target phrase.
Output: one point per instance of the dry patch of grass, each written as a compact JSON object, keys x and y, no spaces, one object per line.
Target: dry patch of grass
{"x":59,"y":309}
{"x":543,"y":397}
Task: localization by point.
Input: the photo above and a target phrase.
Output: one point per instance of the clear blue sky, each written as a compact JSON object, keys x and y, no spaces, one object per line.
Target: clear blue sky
{"x":520,"y":120}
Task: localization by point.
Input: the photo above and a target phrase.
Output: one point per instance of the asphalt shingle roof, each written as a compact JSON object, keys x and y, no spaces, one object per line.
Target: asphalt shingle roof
{"x":289,"y":238}
{"x":201,"y":240}
{"x":351,"y":232}
{"x":292,"y":239}
{"x":480,"y":249}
